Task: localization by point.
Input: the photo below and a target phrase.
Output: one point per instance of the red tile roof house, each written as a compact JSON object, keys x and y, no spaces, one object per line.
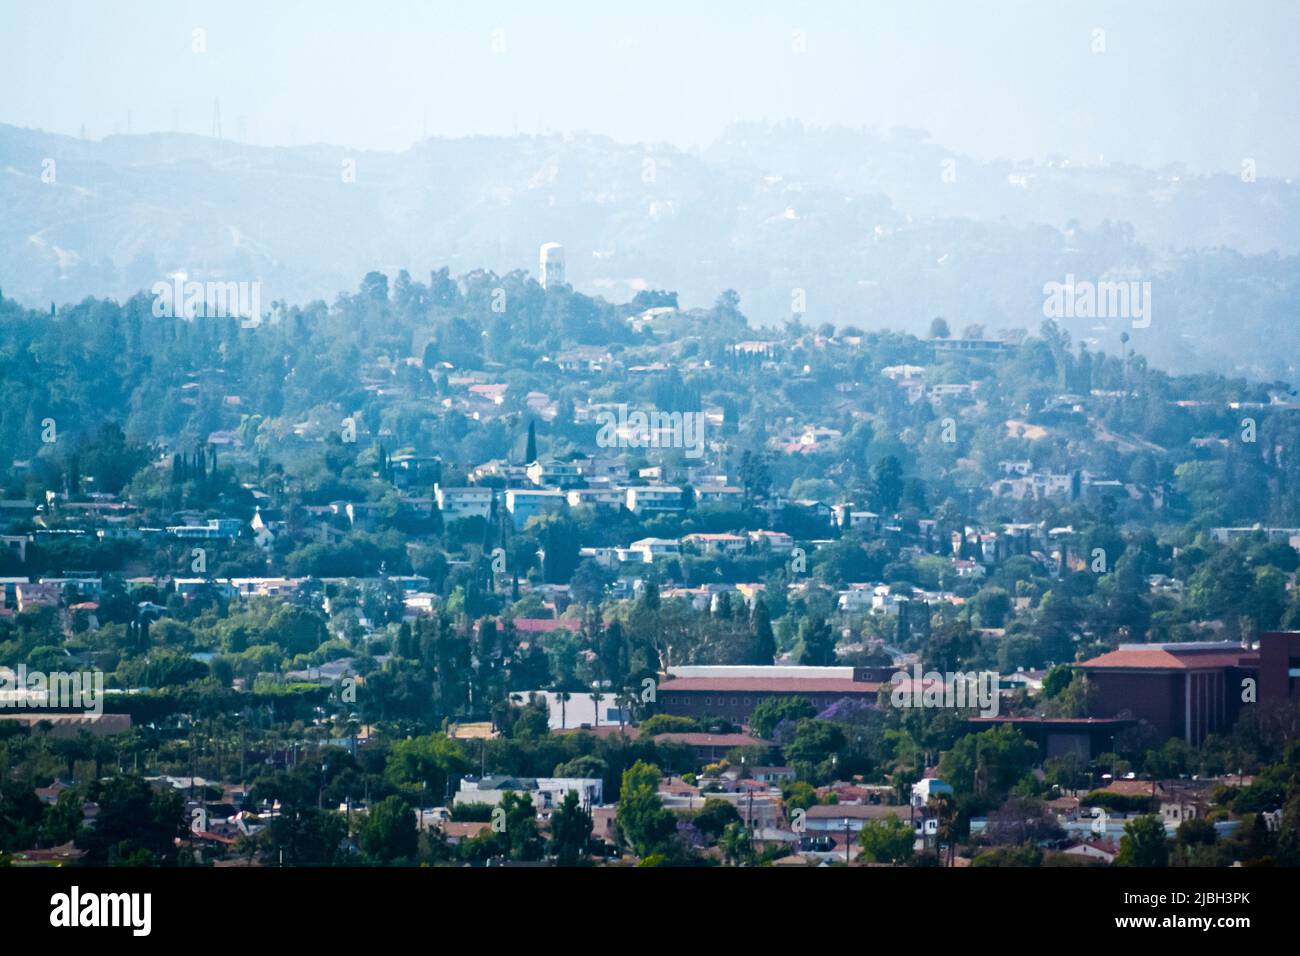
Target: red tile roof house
{"x":1093,"y":850}
{"x":455,"y":830}
{"x":90,"y":612}
{"x":672,"y":786}
{"x":845,"y":792}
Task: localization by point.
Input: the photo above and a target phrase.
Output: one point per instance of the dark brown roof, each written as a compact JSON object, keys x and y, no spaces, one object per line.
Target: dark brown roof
{"x":855,"y":811}
{"x":604,"y":730}
{"x":463,"y":829}
{"x":1130,"y":788}
{"x":59,"y":854}
{"x":709,"y":740}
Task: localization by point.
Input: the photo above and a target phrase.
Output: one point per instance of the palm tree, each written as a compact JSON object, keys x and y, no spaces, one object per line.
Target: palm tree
{"x":101,"y":751}
{"x":596,"y":698}
{"x":946,"y":811}
{"x":563,"y":697}
{"x":1123,"y":358}
{"x":624,"y":701}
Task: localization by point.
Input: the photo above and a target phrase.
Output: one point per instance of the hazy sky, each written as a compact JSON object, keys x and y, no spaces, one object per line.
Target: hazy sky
{"x":1179,"y":80}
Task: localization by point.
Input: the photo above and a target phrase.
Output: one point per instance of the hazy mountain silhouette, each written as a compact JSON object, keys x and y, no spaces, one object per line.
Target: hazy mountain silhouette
{"x":874,"y":229}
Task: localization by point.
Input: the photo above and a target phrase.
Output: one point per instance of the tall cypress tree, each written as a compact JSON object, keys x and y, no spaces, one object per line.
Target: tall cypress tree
{"x":764,"y":647}
{"x":818,"y":643}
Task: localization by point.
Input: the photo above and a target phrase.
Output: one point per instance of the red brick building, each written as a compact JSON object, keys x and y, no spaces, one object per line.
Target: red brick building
{"x":1279,"y":665}
{"x":1192,"y":690}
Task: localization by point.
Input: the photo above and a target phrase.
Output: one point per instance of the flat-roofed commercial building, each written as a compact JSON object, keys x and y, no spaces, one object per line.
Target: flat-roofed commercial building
{"x":733,"y":692}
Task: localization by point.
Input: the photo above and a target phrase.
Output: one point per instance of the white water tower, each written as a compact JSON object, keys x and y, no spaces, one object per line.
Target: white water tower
{"x":550,"y":262}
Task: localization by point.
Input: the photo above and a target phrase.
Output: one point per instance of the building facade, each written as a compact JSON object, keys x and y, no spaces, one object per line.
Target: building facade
{"x":1194,"y":689}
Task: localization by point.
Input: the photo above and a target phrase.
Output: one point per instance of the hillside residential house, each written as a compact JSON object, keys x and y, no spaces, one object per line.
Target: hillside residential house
{"x":651,"y":548}
{"x":725,"y":544}
{"x":777,"y":541}
{"x":654,"y":499}
{"x":459,"y":503}
{"x":718,"y":495}
{"x":607,"y":497}
{"x":554,"y":474}
{"x":523,"y":504}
